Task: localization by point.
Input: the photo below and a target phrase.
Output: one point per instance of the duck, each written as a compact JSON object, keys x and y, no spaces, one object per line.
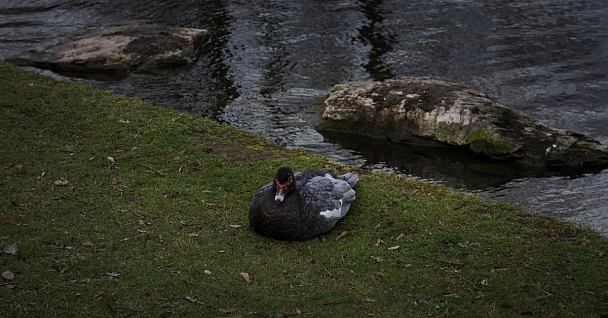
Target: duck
{"x":303,"y":205}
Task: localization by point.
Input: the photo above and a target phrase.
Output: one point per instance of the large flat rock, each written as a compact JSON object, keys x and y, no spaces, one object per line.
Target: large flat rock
{"x":123,"y":47}
{"x":416,"y":110}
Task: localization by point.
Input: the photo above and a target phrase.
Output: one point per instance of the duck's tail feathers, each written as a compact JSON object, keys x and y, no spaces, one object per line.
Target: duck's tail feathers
{"x":350,"y":178}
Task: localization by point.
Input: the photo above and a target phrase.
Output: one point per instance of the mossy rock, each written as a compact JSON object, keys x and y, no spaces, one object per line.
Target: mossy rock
{"x":455,"y":115}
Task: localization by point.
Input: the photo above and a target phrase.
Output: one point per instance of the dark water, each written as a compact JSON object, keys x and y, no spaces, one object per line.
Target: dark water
{"x":271,"y":64}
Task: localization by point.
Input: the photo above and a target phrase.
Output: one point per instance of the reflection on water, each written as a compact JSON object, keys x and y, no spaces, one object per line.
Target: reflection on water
{"x":271,"y":63}
{"x":376,"y":35}
{"x":456,"y":167}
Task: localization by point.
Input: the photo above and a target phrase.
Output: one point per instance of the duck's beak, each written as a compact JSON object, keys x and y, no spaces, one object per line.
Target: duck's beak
{"x":279,"y":196}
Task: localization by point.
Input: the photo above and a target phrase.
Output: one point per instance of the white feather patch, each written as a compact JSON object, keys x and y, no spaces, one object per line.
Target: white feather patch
{"x":333,"y":214}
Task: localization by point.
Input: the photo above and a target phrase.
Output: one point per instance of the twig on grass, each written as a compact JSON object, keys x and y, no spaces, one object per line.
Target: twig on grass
{"x":343,"y":234}
{"x":441,"y":260}
{"x":157,"y":171}
{"x":366,"y":301}
{"x":319,"y":261}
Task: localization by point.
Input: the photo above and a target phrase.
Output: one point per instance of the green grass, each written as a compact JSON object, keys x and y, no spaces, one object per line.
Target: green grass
{"x":161,"y":230}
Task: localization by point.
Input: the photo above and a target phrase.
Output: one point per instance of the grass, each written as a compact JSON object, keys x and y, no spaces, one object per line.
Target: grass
{"x":150,"y":220}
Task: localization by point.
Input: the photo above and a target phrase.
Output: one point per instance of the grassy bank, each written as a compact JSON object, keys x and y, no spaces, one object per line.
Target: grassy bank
{"x":112,"y":207}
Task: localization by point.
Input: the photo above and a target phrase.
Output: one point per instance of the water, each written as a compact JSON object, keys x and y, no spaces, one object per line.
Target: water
{"x":272,"y":63}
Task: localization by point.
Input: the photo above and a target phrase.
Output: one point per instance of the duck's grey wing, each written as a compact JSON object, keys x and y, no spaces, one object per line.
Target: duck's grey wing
{"x":329,"y":196}
{"x":351,"y":178}
{"x":304,"y":177}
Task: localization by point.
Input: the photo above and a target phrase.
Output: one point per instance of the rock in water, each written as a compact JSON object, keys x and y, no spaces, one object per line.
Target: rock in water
{"x":415,"y":110}
{"x":133,"y":46}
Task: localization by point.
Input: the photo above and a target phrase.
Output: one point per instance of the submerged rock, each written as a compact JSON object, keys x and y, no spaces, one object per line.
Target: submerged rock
{"x":431,"y":112}
{"x":121,"y":48}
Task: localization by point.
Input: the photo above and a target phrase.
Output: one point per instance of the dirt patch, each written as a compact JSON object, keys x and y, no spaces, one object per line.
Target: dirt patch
{"x":241,"y":148}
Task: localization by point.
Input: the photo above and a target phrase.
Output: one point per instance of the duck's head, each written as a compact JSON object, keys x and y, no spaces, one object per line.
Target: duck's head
{"x":284,"y":183}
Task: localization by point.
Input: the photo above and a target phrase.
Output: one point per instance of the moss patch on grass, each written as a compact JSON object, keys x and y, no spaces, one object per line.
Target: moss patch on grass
{"x":120,"y":208}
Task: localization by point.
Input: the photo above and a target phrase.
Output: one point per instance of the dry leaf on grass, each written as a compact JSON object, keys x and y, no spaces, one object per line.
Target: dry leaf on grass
{"x":113,"y":275}
{"x":246,"y":277}
{"x":378,"y":242}
{"x":61,"y":182}
{"x":67,"y":148}
{"x":62,"y":247}
{"x":8,"y":275}
{"x":11,"y":249}
{"x":10,"y":222}
{"x":112,"y":161}
{"x":343,"y":234}
{"x":392,"y":248}
{"x":192,"y":299}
